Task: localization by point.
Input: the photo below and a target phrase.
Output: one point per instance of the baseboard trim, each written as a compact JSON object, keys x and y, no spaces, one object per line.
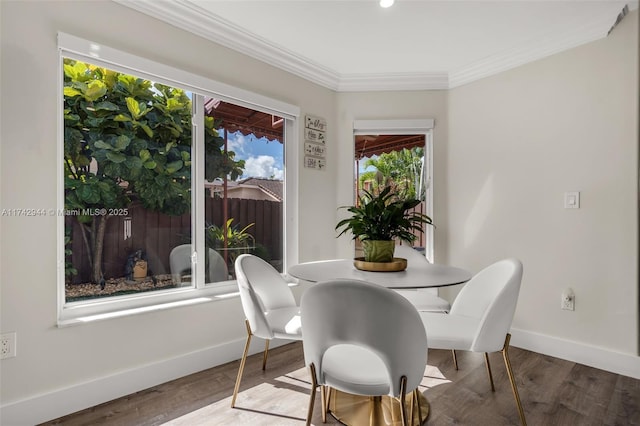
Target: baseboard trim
{"x":593,"y":356}
{"x":58,"y":403}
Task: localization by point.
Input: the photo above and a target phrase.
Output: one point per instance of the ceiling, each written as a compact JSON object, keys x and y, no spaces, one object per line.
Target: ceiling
{"x":415,"y":44}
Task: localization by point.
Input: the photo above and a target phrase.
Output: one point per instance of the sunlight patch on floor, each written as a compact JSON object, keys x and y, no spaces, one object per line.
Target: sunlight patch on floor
{"x":433,"y":377}
{"x":281,"y":401}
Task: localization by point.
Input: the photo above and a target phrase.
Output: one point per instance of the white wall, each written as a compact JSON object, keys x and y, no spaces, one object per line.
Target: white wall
{"x":517,"y":142}
{"x":51,"y":359}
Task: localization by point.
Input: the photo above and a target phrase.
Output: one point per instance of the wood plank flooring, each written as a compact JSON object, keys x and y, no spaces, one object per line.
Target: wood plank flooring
{"x":553,"y":392}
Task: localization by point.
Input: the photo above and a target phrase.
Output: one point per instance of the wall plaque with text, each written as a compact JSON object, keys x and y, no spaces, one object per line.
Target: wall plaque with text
{"x":315,"y":142}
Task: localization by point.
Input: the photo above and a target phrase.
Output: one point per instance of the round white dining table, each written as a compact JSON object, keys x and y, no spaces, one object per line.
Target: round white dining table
{"x":417,"y":274}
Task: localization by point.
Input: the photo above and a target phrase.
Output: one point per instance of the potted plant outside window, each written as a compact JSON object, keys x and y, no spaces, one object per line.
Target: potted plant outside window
{"x":381,"y":219}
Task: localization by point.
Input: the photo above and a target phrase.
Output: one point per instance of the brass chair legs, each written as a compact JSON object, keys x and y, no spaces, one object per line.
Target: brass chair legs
{"x":512,"y":379}
{"x":403,"y":405}
{"x":242,"y":362}
{"x":312,"y":397}
{"x":264,"y":357}
{"x":326,"y":394}
{"x":486,"y":361}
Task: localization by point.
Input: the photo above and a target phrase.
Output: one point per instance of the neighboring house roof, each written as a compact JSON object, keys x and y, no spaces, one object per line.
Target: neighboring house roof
{"x":272,"y":189}
{"x":272,"y":186}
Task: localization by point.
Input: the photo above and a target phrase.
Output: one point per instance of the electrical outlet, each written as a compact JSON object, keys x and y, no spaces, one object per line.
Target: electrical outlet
{"x":568,"y":300}
{"x":8,"y":345}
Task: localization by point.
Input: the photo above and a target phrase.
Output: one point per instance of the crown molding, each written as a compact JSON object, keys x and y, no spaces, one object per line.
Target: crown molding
{"x":393,"y":81}
{"x":533,"y":50}
{"x":189,"y":17}
{"x":186,"y":16}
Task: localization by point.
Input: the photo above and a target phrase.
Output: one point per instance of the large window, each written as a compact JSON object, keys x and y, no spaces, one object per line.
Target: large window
{"x":166,"y":178}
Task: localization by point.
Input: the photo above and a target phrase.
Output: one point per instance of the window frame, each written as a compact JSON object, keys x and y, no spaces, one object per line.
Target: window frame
{"x":424,"y":127}
{"x":116,"y":306}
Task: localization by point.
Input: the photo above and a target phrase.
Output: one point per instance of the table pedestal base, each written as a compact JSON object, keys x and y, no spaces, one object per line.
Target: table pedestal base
{"x":358,"y":410}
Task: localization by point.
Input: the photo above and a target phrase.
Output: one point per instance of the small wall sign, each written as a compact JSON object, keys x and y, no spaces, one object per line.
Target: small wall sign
{"x":315,"y":142}
{"x":314,"y":163}
{"x":314,"y":135}
{"x":311,"y":148}
{"x":315,"y":123}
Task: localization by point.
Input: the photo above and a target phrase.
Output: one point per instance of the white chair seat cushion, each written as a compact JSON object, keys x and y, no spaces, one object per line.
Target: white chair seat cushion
{"x":425,"y":302}
{"x":446,"y":331}
{"x":355,"y":370}
{"x":285,"y":323}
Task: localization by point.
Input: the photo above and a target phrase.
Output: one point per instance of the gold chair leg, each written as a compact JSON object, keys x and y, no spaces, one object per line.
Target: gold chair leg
{"x":512,"y":379}
{"x":403,"y":395}
{"x":312,"y":398}
{"x":242,"y":362}
{"x":486,"y":361}
{"x":416,"y":395}
{"x":412,"y":407}
{"x":455,"y":358}
{"x":264,"y":357}
{"x":325,"y":392}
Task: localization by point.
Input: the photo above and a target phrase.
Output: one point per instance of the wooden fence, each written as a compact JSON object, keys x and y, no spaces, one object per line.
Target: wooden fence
{"x":157,"y":234}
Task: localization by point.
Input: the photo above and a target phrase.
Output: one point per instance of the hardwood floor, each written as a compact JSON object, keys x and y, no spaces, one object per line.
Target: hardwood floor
{"x":553,"y":392}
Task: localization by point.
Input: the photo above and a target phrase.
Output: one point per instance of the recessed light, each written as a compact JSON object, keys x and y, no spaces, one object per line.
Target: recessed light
{"x":386,"y":3}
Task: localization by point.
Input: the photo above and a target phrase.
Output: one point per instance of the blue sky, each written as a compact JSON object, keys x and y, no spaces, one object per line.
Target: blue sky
{"x":263,"y":158}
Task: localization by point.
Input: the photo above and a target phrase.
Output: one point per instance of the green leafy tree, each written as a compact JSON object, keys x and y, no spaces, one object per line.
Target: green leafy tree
{"x":399,"y":170}
{"x":125,"y":139}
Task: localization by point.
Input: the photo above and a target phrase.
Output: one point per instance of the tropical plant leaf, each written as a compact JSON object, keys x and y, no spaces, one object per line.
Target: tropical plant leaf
{"x":95,"y":90}
{"x":122,"y":142}
{"x":145,"y":154}
{"x":116,"y":157}
{"x":106,"y":106}
{"x":121,"y":117}
{"x":147,"y":130}
{"x":133,"y":107}
{"x":71,"y":92}
{"x":102,"y":145}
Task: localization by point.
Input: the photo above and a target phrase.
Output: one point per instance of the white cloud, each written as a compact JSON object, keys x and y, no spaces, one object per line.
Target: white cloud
{"x":262,"y":166}
{"x":236,"y":143}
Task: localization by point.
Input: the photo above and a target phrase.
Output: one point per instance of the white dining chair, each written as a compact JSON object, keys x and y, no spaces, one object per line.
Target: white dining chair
{"x":480,"y":318}
{"x":423,"y":300}
{"x":363,"y":339}
{"x":269,"y":306}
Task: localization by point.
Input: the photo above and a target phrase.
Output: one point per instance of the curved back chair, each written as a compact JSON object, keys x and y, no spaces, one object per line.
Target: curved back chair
{"x":269,"y":306}
{"x":180,"y":262}
{"x":424,"y":301}
{"x":363,"y":339}
{"x":480,"y":318}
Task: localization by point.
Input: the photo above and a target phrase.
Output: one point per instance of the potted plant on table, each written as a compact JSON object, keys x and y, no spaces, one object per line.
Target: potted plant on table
{"x":378,"y":220}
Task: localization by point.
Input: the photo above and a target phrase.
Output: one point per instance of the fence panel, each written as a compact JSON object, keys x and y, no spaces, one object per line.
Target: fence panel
{"x":156,"y":234}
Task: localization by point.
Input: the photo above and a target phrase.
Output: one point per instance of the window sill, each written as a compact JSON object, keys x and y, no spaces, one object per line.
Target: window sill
{"x":86,"y":312}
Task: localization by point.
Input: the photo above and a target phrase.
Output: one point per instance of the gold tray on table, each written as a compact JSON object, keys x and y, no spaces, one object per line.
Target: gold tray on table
{"x":397,"y":264}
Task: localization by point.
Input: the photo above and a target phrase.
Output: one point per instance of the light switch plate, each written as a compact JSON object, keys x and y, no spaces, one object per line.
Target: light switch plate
{"x":572,"y":200}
